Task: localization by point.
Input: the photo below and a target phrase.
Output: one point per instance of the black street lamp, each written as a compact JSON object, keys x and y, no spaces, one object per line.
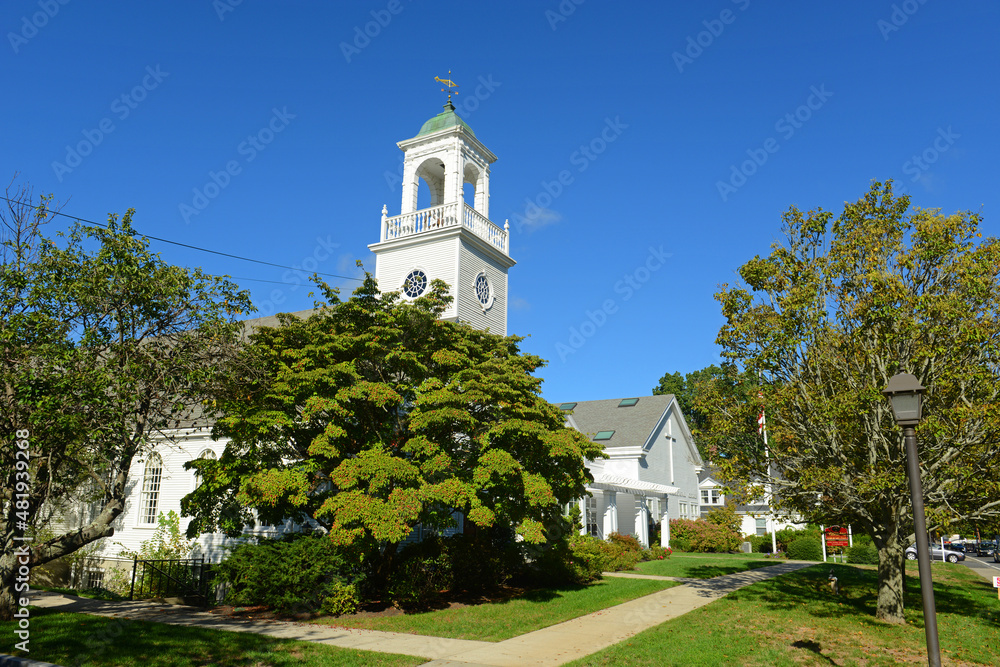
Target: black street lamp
{"x":904,"y":392}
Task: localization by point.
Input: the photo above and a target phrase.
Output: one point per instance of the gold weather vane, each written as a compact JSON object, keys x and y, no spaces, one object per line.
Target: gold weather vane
{"x":448,"y":82}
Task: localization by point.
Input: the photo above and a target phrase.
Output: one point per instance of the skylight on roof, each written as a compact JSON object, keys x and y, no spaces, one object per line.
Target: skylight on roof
{"x":604,"y":435}
{"x":567,"y":406}
{"x":628,"y":402}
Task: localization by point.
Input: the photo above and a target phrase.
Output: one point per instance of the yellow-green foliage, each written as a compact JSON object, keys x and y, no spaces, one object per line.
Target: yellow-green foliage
{"x":812,"y":336}
{"x":374,"y":416}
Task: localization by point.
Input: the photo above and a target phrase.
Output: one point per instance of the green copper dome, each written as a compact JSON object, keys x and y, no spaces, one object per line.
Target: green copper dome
{"x":444,"y":120}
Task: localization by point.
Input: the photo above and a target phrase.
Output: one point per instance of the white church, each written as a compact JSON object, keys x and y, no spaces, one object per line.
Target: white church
{"x":651,"y":475}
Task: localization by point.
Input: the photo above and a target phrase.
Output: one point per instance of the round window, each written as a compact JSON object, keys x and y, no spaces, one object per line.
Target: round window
{"x":415,"y":283}
{"x":483,"y":290}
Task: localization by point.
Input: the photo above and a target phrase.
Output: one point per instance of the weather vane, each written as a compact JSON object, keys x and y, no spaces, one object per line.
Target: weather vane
{"x":448,"y":82}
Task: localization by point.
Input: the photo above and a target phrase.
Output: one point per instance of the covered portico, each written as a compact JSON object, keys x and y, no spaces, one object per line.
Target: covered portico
{"x":627,"y":506}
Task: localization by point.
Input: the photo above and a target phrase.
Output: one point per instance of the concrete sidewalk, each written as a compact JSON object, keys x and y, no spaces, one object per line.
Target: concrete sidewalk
{"x":579,"y":637}
{"x":368,"y":640}
{"x":553,"y":645}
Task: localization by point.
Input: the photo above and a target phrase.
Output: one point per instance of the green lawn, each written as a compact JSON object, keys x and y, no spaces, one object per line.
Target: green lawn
{"x":79,"y":639}
{"x":503,"y":620}
{"x":704,"y":566}
{"x":795,"y":620}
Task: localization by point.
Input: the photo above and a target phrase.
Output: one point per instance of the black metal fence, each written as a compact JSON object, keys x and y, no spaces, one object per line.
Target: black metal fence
{"x":186,"y":578}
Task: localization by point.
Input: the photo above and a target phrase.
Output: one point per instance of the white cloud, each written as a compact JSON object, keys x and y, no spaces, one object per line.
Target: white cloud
{"x":538,"y":218}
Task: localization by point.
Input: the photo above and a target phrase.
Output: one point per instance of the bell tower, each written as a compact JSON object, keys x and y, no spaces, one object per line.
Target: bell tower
{"x":452,"y":239}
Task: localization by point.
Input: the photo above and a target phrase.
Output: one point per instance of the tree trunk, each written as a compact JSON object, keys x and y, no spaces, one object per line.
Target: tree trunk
{"x":57,"y":547}
{"x":8,"y":580}
{"x":890,"y":579}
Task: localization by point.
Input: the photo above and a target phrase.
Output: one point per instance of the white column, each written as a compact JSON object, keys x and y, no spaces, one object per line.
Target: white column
{"x":483,"y":205}
{"x":583,"y":514}
{"x":452,"y":175}
{"x":665,"y":522}
{"x":410,"y":184}
{"x":641,"y":522}
{"x":610,"y":514}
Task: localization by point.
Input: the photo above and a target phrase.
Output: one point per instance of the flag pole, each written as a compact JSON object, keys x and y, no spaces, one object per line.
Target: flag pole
{"x":768,"y":490}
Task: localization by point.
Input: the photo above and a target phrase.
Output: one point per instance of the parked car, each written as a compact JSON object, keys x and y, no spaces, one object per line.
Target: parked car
{"x":950,"y":555}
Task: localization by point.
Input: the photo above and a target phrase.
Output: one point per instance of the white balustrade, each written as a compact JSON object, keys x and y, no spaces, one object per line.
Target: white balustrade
{"x":439,"y":217}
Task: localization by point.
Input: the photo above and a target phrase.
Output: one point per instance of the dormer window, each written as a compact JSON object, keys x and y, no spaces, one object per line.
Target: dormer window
{"x":711,"y":497}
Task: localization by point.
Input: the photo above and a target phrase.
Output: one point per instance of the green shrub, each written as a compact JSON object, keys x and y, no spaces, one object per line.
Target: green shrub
{"x":590,"y":556}
{"x":656,"y":553}
{"x":618,"y":557}
{"x":726,"y":517}
{"x":704,"y":536}
{"x":587,"y":558}
{"x":862,"y":554}
{"x":480,"y":565}
{"x":343,"y":599}
{"x":298,"y":572}
{"x":805,"y":548}
{"x":421,"y":575}
{"x":167,"y":542}
{"x":627,"y":542}
{"x":760,"y":543}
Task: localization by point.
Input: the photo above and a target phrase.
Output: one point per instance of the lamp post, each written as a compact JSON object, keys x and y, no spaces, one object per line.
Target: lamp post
{"x":904,"y":392}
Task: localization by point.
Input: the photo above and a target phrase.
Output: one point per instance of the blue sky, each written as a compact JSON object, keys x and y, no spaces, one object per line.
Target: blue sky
{"x":687,"y":129}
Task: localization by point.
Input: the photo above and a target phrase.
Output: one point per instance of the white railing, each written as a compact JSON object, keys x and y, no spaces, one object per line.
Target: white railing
{"x":440,"y":217}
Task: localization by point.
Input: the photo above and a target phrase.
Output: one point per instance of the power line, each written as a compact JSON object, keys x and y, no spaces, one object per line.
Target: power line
{"x":199,"y":248}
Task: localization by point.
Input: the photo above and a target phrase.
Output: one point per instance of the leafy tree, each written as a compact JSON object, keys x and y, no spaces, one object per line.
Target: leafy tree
{"x":726,"y":516}
{"x":825,"y":320}
{"x":101,"y":342}
{"x":686,"y":389}
{"x":372,"y":415}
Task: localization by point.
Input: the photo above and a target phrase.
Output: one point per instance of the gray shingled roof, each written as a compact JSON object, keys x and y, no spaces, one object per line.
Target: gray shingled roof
{"x":632,"y":425}
{"x":272,"y":320}
{"x":193,"y":416}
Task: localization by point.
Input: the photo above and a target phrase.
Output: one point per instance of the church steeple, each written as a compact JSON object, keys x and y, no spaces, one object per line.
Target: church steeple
{"x":446,"y":155}
{"x":451,"y":238}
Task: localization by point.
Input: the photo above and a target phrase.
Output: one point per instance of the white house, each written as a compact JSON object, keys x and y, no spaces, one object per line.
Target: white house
{"x":758,"y":517}
{"x":651,"y":473}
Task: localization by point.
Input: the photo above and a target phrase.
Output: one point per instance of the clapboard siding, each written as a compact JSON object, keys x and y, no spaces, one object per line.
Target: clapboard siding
{"x":435,"y":258}
{"x":472,"y":261}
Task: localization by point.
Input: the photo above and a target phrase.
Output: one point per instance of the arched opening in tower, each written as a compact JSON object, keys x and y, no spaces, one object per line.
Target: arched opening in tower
{"x":430,"y":184}
{"x":472,"y":187}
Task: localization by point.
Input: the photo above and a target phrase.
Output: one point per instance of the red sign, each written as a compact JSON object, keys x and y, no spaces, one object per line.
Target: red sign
{"x":836,"y":537}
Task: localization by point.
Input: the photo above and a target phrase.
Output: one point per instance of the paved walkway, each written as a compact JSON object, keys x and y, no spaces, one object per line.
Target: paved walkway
{"x":369,"y":640}
{"x":553,"y":645}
